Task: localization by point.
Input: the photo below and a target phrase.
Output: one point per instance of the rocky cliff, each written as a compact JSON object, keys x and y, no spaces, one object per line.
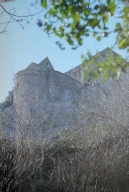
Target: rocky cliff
{"x":47,"y":100}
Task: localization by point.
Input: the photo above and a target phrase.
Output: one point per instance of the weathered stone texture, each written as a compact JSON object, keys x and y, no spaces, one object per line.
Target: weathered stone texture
{"x":45,"y":99}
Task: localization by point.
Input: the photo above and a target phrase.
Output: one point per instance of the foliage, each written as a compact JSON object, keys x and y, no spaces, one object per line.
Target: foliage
{"x":76,"y":20}
{"x":109,"y":67}
{"x":8,"y":100}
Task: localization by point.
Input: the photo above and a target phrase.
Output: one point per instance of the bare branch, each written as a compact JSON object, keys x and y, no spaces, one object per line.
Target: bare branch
{"x":23,"y":16}
{"x":15,"y":18}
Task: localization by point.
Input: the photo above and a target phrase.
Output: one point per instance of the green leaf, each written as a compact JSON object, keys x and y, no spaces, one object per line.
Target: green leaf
{"x":87,"y":12}
{"x":69,"y":40}
{"x":44,"y":3}
{"x":80,"y":41}
{"x":52,"y":12}
{"x":121,"y":43}
{"x":118,"y":25}
{"x":76,"y":18}
{"x":112,"y":7}
{"x":99,"y":38}
{"x":94,"y":34}
{"x":48,"y":28}
{"x":105,"y":18}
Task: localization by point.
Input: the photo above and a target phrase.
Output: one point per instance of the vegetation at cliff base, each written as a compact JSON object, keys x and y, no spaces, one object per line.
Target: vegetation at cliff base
{"x":63,"y":166}
{"x":8,"y":100}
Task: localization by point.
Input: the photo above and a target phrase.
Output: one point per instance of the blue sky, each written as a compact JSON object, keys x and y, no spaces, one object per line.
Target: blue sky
{"x":21,"y":46}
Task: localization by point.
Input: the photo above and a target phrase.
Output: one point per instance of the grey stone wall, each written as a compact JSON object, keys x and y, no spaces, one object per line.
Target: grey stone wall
{"x":47,"y":100}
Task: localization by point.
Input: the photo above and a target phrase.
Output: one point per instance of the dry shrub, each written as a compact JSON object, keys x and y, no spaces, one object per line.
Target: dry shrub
{"x":61,"y":165}
{"x":101,"y":166}
{"x":19,"y":160}
{"x":7,"y":171}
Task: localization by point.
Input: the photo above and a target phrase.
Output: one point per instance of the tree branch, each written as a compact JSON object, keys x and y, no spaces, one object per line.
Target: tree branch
{"x":15,"y":18}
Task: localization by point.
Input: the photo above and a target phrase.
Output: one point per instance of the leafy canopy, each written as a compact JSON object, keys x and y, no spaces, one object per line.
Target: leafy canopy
{"x":76,"y":19}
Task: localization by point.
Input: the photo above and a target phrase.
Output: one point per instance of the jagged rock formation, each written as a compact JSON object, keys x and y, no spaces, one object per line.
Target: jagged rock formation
{"x":45,"y":99}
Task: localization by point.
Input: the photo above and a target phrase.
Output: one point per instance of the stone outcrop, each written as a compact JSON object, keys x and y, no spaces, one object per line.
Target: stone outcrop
{"x":45,"y":99}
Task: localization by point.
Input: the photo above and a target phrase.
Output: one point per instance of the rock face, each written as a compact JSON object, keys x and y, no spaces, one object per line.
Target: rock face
{"x":45,"y":99}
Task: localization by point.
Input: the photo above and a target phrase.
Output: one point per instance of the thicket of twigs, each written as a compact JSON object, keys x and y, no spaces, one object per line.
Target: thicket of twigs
{"x":60,"y":165}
